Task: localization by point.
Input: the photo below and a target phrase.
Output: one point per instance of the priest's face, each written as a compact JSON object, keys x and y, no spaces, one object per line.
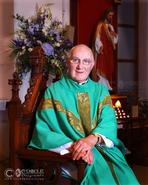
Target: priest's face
{"x":80,"y":63}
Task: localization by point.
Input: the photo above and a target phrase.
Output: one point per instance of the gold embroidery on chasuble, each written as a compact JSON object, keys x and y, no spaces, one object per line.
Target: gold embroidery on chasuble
{"x":84,"y":111}
{"x":54,"y":104}
{"x":94,"y":122}
{"x":106,"y":101}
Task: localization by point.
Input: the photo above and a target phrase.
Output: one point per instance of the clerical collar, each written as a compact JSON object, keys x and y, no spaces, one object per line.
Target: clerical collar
{"x":81,"y":83}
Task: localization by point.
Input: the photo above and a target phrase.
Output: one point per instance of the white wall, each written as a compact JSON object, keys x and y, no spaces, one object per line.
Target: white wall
{"x":6,"y":69}
{"x":143,"y":49}
{"x":59,"y":8}
{"x":6,"y":30}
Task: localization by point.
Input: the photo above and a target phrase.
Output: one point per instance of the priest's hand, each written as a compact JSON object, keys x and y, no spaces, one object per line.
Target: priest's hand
{"x":81,"y":149}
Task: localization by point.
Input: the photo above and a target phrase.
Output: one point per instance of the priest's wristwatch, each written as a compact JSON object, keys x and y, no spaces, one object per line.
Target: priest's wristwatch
{"x":98,"y":137}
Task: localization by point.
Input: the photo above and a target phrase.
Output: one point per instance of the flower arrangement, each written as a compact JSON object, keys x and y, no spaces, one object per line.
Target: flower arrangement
{"x":40,"y":30}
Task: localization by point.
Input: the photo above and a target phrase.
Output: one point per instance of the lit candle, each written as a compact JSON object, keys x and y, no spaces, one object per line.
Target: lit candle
{"x":118,"y":104}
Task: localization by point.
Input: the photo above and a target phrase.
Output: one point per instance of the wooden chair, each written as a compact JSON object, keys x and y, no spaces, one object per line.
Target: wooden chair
{"x":45,"y":165}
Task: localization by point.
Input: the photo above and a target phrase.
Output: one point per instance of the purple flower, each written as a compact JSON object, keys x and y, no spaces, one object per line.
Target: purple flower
{"x":48,"y":49}
{"x":33,"y":28}
{"x":18,"y":43}
{"x":55,"y":34}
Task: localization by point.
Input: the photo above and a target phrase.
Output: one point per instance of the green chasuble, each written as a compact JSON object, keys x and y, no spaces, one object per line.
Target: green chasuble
{"x":70,"y":111}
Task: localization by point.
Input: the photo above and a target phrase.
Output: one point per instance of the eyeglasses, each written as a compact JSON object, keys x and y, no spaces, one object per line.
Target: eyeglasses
{"x":85,"y":61}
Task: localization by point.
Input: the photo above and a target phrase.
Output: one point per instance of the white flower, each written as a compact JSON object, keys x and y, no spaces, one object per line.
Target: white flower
{"x":20,"y":35}
{"x":57,"y":44}
{"x":45,"y":31}
{"x":30,"y":49}
{"x":47,"y":23}
{"x":44,"y":10}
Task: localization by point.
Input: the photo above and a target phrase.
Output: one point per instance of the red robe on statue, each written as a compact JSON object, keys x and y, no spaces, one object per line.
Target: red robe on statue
{"x":105,"y":64}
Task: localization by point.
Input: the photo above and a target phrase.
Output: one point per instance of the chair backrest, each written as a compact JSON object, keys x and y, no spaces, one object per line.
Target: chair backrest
{"x":21,"y":115}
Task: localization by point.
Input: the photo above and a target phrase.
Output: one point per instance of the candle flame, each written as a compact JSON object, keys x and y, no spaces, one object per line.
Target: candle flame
{"x":118,"y":104}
